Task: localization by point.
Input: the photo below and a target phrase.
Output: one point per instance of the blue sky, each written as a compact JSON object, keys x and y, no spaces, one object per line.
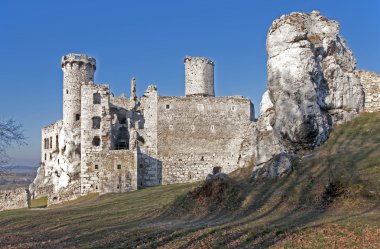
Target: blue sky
{"x":148,"y":40}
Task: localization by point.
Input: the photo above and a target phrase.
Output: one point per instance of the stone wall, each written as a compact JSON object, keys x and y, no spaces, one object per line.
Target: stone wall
{"x":70,"y":192}
{"x":110,"y":172}
{"x":94,"y":137}
{"x":14,"y":198}
{"x":371,"y":86}
{"x":149,"y":170}
{"x":196,"y":134}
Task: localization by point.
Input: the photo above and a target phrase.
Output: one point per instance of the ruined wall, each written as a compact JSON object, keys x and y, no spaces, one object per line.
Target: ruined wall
{"x":149,"y":170}
{"x":95,"y":125}
{"x":196,"y":134}
{"x":52,"y":157}
{"x":199,"y":76}
{"x":110,"y":171}
{"x":58,"y":175}
{"x":14,"y":198}
{"x":50,"y":141}
{"x":371,"y":86}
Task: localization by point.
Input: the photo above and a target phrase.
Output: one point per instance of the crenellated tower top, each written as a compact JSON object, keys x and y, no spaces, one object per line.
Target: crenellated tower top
{"x":78,"y":58}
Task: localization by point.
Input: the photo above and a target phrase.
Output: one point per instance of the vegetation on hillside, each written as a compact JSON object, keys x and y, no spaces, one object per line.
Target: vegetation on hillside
{"x":331,"y":199}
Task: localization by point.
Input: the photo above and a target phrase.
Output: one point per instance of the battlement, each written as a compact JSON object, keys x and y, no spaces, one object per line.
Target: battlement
{"x":79,"y":58}
{"x":197,"y":60}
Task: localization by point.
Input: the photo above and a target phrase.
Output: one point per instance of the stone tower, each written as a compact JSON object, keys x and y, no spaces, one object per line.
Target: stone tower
{"x":77,"y":69}
{"x":199,"y":76}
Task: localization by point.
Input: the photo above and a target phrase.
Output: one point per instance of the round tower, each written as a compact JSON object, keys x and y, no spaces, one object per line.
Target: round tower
{"x":77,"y":69}
{"x":199,"y":76}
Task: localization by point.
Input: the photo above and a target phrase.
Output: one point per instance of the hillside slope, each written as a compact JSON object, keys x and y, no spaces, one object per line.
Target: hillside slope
{"x":331,"y":199}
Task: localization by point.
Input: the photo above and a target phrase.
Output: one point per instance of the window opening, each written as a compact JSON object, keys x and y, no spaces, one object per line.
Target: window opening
{"x":96,"y":98}
{"x":216,"y":170}
{"x":96,"y":122}
{"x":96,"y":141}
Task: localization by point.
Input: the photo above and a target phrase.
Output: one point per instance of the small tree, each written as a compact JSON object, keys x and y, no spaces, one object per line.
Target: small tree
{"x":11,"y":133}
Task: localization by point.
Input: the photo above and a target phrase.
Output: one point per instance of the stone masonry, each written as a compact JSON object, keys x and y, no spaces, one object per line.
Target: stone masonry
{"x":371,"y":88}
{"x":14,"y":198}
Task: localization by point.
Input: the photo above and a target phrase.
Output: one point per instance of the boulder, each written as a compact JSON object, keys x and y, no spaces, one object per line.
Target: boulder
{"x":312,"y":85}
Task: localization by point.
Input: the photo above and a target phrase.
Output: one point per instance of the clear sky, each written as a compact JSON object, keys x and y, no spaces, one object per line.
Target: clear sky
{"x":148,"y":40}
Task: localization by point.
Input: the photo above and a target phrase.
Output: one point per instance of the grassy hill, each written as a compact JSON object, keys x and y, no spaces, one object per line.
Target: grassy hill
{"x":330,"y":200}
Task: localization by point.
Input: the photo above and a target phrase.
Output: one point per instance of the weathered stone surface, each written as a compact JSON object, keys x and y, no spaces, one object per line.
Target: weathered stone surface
{"x":14,"y":198}
{"x":312,"y":85}
{"x":371,"y":86}
{"x":199,"y":76}
{"x":196,"y":134}
{"x":60,"y":163}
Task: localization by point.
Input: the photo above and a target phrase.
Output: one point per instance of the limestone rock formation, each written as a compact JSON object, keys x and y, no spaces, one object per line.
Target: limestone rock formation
{"x":312,"y":85}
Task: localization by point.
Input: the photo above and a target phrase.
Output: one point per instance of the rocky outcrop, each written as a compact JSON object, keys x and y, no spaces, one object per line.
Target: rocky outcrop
{"x":312,"y":85}
{"x":371,"y":86}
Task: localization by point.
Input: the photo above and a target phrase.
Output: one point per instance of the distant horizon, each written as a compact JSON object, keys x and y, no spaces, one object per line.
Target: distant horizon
{"x":149,"y":42}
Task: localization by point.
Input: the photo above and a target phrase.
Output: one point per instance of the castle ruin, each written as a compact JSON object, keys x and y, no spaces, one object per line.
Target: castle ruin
{"x":117,"y":144}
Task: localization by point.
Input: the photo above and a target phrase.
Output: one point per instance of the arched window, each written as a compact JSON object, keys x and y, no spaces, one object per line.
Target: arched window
{"x":96,"y":99}
{"x":96,"y":122}
{"x":96,"y":141}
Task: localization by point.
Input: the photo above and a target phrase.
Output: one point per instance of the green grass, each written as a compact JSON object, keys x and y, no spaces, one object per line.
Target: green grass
{"x":80,"y":200}
{"x":290,"y":212}
{"x":39,"y":203}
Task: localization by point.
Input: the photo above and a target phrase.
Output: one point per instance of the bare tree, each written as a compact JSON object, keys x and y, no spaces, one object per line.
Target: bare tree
{"x":11,"y":133}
